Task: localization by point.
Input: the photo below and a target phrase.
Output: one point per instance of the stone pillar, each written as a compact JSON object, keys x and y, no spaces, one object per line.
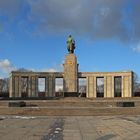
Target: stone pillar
{"x":126,"y":86}
{"x":131,"y":85}
{"x":109,"y":86}
{"x":105,"y":86}
{"x":87,"y":87}
{"x":11,"y":86}
{"x":94,"y":87}
{"x":19,"y":86}
{"x":90,"y":87}
{"x":70,"y":75}
{"x":46,"y":86}
{"x":29,"y":86}
{"x":123,"y":87}
{"x":51,"y":87}
{"x":112,"y":86}
{"x":36,"y":86}
{"x":16,"y":86}
{"x":33,"y":86}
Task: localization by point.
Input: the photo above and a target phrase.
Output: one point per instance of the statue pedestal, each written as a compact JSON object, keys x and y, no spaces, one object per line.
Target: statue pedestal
{"x":70,"y":75}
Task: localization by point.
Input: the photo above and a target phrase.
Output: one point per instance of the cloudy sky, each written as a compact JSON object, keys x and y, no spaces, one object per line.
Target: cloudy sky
{"x":33,"y":34}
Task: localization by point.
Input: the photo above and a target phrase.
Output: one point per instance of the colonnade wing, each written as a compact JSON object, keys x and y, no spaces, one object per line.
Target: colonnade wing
{"x":33,"y":84}
{"x":108,"y":84}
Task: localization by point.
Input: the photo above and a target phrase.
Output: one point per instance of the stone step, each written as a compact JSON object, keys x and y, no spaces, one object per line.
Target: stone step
{"x":75,"y":102}
{"x":57,"y":111}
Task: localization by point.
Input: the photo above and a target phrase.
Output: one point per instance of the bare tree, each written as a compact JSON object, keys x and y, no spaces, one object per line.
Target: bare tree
{"x":1,"y":85}
{"x":136,"y":84}
{"x":4,"y":85}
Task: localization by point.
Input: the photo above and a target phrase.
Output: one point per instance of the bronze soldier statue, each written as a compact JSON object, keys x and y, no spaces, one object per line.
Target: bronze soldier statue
{"x":70,"y":44}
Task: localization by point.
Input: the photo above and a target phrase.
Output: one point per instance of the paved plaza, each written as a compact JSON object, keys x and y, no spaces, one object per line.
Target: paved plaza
{"x":70,"y":128}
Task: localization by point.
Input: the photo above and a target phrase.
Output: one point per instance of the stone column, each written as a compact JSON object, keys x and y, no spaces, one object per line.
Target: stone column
{"x":131,"y":85}
{"x":105,"y":86}
{"x":16,"y":86}
{"x":94,"y":87}
{"x":112,"y":86}
{"x":33,"y":86}
{"x":87,"y":87}
{"x":51,"y":86}
{"x":71,"y":74}
{"x":109,"y":86}
{"x":46,"y":86}
{"x":29,"y":86}
{"x":90,"y":87}
{"x":36,"y":86}
{"x":126,"y":86}
{"x":11,"y":86}
{"x":123,"y":87}
{"x":19,"y":86}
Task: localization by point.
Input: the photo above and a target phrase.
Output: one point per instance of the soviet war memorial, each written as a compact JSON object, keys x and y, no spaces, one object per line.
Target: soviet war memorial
{"x":107,"y":110}
{"x":114,"y":84}
{"x":69,"y":70}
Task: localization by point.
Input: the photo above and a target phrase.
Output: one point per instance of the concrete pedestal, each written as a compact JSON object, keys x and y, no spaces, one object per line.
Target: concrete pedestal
{"x":70,"y":75}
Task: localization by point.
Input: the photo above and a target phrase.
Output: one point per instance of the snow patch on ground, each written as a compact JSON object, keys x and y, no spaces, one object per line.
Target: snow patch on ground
{"x":17,"y":117}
